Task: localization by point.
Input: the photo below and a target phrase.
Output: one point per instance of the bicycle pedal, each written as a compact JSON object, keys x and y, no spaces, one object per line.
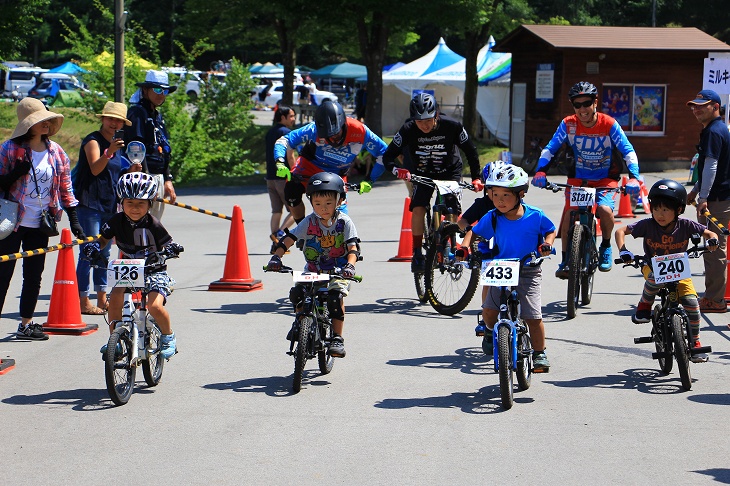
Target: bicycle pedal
{"x":643,"y":340}
{"x":541,"y":370}
{"x":700,"y":350}
{"x":664,"y":355}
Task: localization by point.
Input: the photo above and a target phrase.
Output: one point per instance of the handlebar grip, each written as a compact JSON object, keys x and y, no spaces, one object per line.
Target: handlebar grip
{"x":357,"y":278}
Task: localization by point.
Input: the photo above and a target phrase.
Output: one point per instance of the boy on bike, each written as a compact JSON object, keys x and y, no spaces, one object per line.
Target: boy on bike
{"x":330,"y":242}
{"x":138,"y":234}
{"x":666,"y":233}
{"x":593,"y":137}
{"x":432,"y":141}
{"x":507,"y":186}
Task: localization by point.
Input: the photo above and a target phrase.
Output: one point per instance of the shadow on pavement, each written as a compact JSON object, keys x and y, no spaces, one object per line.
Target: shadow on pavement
{"x":466,"y":360}
{"x":721,"y":475}
{"x":82,"y":399}
{"x":486,"y":401}
{"x":273,"y":386}
{"x":643,"y":380}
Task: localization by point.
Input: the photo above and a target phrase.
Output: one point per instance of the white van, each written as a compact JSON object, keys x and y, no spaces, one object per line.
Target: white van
{"x":21,"y":79}
{"x":190,"y":81}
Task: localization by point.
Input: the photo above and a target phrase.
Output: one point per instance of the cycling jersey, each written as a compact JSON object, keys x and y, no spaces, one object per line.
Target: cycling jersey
{"x":434,"y":154}
{"x":592,"y":149}
{"x":334,"y":159}
{"x":138,"y":239}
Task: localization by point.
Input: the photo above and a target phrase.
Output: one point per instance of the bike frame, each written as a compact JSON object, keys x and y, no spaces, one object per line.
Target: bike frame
{"x":140,"y":324}
{"x":314,"y":306}
{"x":509,"y":318}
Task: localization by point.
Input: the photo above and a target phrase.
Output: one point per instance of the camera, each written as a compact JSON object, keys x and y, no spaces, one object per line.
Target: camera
{"x":119,"y":135}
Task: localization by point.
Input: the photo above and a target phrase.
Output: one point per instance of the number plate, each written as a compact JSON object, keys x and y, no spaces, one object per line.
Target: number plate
{"x":500,"y":273}
{"x":310,"y":277}
{"x":126,"y":273}
{"x":447,"y":187}
{"x":582,"y":196}
{"x":670,"y":268}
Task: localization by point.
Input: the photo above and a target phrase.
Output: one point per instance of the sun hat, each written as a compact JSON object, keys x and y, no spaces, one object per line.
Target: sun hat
{"x":32,"y":111}
{"x":115,"y":110}
{"x":705,"y":96}
{"x":156,"y":79}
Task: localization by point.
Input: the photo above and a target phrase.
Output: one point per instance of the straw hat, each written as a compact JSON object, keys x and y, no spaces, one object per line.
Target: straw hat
{"x":157,"y":79}
{"x":32,"y":111}
{"x":115,"y":110}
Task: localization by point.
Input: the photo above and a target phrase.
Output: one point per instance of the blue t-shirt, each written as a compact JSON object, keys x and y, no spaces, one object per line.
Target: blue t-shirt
{"x":715,"y":143}
{"x":518,"y":238}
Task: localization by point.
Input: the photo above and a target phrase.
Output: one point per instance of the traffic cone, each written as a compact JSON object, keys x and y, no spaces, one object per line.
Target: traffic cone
{"x":64,"y":314}
{"x":624,"y":206}
{"x":405,"y":246}
{"x":6,"y":365}
{"x":645,"y":198}
{"x":237,"y":272}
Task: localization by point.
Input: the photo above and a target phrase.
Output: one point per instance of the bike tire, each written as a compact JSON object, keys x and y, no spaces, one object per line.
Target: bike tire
{"x":325,"y":361}
{"x":506,"y":384}
{"x":665,"y":364}
{"x":153,"y":365}
{"x":118,"y":369}
{"x":681,"y":351}
{"x":530,"y":163}
{"x":300,"y":355}
{"x":420,"y":280}
{"x":574,"y":265}
{"x":524,"y":361}
{"x":450,"y":285}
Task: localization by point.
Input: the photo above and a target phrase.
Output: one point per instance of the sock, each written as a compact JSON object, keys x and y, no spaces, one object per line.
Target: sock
{"x":605,"y":243}
{"x":417,"y":242}
{"x":564,"y":254}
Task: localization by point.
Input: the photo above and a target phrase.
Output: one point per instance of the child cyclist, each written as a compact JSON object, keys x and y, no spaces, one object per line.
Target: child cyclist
{"x":507,"y":186}
{"x":138,"y":234}
{"x":330,"y":241}
{"x":665,"y":233}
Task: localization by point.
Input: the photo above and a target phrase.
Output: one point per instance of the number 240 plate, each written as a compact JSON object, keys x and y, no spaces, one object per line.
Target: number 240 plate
{"x":669,"y":268}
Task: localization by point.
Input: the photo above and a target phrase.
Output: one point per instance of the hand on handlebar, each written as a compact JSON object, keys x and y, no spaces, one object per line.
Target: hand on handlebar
{"x":478,"y":185}
{"x":632,"y":188}
{"x":626,"y":256}
{"x":403,"y":174}
{"x":365,"y":187}
{"x":348,"y":270}
{"x":92,"y":252}
{"x":712,"y":244}
{"x":545,"y":249}
{"x":174,"y":249}
{"x":539,"y":180}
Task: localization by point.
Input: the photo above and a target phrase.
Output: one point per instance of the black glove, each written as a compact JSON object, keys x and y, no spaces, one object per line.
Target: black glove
{"x":173,"y":249}
{"x":92,"y":252}
{"x":73,"y":219}
{"x":626,"y":255}
{"x":21,"y":168}
{"x":274,"y":264}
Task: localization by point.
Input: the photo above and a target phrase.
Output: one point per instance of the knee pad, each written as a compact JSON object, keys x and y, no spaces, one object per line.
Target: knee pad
{"x":334,"y":304}
{"x":293,"y":192}
{"x":296,"y":295}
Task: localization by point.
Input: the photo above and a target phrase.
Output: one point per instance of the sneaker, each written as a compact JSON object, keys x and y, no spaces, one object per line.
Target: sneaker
{"x":418,"y":263}
{"x":699,"y":358}
{"x":169,"y":345}
{"x":563,"y":271}
{"x":337,"y":347}
{"x":540,"y":363}
{"x":643,"y":313}
{"x":479,"y":330}
{"x":31,"y":331}
{"x":605,"y":258}
{"x":708,"y":306}
{"x":117,"y":354}
{"x":488,"y":343}
{"x":293,"y":334}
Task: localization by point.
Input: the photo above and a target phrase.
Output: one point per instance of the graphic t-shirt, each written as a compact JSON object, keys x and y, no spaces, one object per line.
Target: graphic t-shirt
{"x":42,"y":174}
{"x":659,"y":242}
{"x":325,"y":248}
{"x":136,"y":240}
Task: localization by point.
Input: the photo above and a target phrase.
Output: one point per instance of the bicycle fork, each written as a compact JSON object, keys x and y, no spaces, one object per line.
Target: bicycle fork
{"x":131,"y":319}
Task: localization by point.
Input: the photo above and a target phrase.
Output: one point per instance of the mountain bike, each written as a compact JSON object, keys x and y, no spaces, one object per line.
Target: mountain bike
{"x":511,"y":336}
{"x":563,"y":158}
{"x":446,"y":283}
{"x":582,"y":250}
{"x":136,"y":339}
{"x":529,"y":163}
{"x":670,"y":328}
{"x":312,"y":329}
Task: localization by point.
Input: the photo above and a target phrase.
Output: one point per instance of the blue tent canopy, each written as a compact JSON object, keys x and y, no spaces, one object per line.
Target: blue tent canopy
{"x":68,"y":68}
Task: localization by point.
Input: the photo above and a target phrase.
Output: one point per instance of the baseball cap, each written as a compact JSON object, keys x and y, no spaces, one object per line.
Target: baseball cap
{"x":705,"y":96}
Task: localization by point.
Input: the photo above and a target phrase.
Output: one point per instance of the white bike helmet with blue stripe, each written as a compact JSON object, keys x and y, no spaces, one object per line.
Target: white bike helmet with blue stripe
{"x":508,"y":176}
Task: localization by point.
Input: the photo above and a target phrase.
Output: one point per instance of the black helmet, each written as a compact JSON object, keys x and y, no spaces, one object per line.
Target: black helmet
{"x":423,"y":106}
{"x":584,"y":88}
{"x":325,"y":182}
{"x":329,"y":119}
{"x":672,"y":192}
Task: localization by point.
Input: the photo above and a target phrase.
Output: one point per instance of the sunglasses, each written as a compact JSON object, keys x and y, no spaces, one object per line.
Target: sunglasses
{"x":584,"y":104}
{"x":161,"y":91}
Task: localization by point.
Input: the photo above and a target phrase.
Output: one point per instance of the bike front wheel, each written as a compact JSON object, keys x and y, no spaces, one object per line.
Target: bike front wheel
{"x":119,"y":370}
{"x":506,"y":384}
{"x":575,"y":238}
{"x":665,"y":363}
{"x":450,"y":285}
{"x":326,"y":362}
{"x":681,"y":351}
{"x":524,"y":361}
{"x":152,"y":366}
{"x":300,"y":355}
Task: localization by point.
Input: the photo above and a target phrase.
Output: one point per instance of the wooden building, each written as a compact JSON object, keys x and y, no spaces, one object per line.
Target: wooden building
{"x":644,"y":77}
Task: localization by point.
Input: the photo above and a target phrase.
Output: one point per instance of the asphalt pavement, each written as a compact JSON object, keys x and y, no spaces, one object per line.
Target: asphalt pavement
{"x":414,"y":402}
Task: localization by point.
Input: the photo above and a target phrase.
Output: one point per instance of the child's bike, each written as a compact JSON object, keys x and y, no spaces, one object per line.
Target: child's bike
{"x":670,"y":328}
{"x":446,"y":283}
{"x":312,"y":329}
{"x":511,"y":337}
{"x":136,"y":339}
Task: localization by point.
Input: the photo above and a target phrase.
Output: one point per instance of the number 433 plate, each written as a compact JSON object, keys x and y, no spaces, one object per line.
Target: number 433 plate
{"x":498,"y":273}
{"x":669,"y":268}
{"x":126,"y":273}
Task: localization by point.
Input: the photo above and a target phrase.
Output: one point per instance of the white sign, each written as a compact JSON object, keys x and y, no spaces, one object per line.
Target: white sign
{"x":670,"y":268}
{"x":582,"y":196}
{"x":310,"y":277}
{"x":126,"y":273}
{"x":544,"y":82}
{"x":716,"y":75}
{"x":500,"y":273}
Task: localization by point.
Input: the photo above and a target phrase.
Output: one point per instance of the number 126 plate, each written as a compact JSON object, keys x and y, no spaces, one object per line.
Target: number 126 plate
{"x":498,"y":273}
{"x":126,"y":273}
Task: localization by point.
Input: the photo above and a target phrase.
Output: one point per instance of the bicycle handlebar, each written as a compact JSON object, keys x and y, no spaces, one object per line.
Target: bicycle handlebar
{"x":334,"y":272}
{"x":352,"y":186}
{"x":432,"y":182}
{"x":639,"y":261}
{"x":557,"y":187}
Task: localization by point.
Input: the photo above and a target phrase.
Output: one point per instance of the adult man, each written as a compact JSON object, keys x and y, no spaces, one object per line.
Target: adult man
{"x":331,"y":143}
{"x":284,"y":118}
{"x":593,"y":136}
{"x":432,"y":140}
{"x":712,"y":191}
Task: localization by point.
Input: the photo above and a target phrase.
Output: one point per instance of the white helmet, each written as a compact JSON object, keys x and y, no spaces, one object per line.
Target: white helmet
{"x":490,"y":167}
{"x":509,"y":176}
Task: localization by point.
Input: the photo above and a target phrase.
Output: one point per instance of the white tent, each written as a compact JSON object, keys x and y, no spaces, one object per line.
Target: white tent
{"x":447,"y":82}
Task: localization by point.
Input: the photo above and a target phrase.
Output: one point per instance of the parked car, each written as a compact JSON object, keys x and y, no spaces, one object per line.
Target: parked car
{"x":20,"y":79}
{"x":50,"y":83}
{"x":189,"y":81}
{"x":270,"y":95}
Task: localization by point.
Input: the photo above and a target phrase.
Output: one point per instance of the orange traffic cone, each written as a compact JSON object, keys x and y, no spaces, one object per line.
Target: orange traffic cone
{"x":64,"y":314}
{"x":624,"y":206}
{"x":644,"y":198}
{"x":237,"y":272}
{"x":405,"y":246}
{"x":6,"y":365}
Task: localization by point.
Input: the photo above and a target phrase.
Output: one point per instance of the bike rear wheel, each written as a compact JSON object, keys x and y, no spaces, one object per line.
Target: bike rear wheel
{"x":450,"y":285}
{"x":681,"y":351}
{"x":524,"y":361}
{"x":506,"y":384}
{"x":575,"y":238}
{"x":119,"y":371}
{"x":300,"y":355}
{"x":665,"y":364}
{"x":152,"y":366}
{"x":530,"y":163}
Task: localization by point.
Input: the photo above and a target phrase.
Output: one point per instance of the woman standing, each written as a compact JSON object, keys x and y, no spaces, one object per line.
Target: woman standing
{"x":95,"y":183}
{"x":35,"y":172}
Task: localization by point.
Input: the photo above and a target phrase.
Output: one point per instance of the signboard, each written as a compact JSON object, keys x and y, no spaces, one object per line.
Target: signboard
{"x":544,"y":82}
{"x":716,"y":75}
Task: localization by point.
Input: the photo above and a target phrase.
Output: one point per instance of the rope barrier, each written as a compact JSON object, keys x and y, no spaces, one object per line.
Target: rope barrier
{"x":48,"y":249}
{"x":193,"y":208}
{"x":714,"y":220}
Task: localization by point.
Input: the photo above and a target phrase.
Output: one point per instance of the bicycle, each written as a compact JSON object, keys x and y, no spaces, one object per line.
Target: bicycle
{"x":529,"y":163}
{"x":136,"y":339}
{"x":582,"y":252}
{"x":670,"y":328}
{"x":312,"y":325}
{"x":447,"y":284}
{"x":563,"y":158}
{"x":512,"y":348}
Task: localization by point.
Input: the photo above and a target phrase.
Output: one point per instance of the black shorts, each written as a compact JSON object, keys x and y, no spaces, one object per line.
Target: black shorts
{"x":480,"y":207}
{"x":422,"y":198}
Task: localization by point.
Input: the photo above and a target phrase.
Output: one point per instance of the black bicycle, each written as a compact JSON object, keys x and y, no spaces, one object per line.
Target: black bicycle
{"x":529,"y":163}
{"x":670,"y":328}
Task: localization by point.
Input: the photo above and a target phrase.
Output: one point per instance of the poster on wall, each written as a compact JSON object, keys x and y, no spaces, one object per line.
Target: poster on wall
{"x":544,"y":83}
{"x":649,"y":108}
{"x":616,"y":102}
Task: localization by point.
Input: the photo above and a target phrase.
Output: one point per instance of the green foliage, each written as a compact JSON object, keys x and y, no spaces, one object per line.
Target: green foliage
{"x":20,"y":23}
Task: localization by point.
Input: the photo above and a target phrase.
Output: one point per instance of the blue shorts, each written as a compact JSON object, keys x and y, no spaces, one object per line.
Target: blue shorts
{"x":603,"y":198}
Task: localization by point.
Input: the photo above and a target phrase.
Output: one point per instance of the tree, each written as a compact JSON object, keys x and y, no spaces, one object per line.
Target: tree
{"x":19,"y":24}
